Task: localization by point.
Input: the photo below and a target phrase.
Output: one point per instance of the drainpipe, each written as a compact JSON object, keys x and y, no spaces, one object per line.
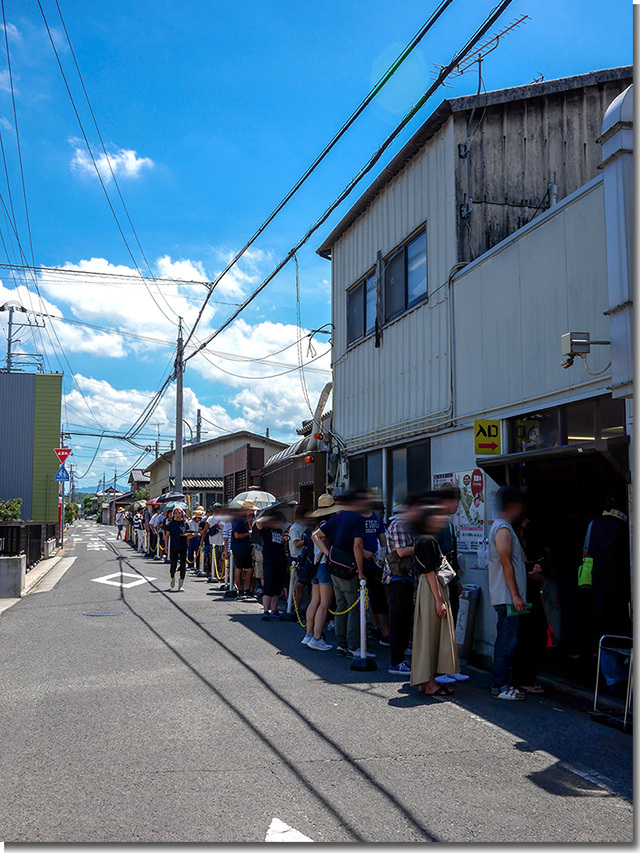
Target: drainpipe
{"x":552,"y":189}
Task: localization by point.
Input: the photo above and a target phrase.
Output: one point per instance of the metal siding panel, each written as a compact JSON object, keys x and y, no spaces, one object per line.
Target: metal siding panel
{"x":17,"y":412}
{"x":46,"y":437}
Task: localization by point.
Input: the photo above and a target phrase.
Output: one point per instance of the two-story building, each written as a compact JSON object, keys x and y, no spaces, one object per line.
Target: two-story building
{"x":454,"y":277}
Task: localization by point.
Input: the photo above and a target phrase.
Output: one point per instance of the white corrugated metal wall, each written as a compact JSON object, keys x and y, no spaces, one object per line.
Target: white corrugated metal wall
{"x":408,"y":375}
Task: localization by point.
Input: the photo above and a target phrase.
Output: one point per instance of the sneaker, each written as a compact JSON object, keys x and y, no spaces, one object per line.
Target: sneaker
{"x":240,"y":593}
{"x":400,"y":669}
{"x":274,"y":614}
{"x":265,"y":617}
{"x":408,"y":652}
{"x":173,"y":582}
{"x":458,"y":676}
{"x":180,"y":585}
{"x":444,"y":679}
{"x":510,"y":694}
{"x":319,"y":645}
{"x":341,"y":651}
{"x":330,"y":626}
{"x":357,"y":654}
{"x":384,"y":641}
{"x":306,"y":640}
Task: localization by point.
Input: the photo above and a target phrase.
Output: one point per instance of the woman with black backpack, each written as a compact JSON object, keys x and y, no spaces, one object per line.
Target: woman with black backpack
{"x":312,"y":560}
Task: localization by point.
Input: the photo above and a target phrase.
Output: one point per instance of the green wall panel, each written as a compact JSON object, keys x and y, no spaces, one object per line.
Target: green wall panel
{"x":46,"y":437}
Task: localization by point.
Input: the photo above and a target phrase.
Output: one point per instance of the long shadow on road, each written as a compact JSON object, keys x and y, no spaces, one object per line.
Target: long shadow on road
{"x":366,"y":777}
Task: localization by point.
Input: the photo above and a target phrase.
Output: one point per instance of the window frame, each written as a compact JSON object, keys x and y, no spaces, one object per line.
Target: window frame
{"x":408,"y":305}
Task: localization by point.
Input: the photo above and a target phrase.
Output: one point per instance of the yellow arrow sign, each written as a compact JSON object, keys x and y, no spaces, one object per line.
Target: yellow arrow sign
{"x":487,"y":438}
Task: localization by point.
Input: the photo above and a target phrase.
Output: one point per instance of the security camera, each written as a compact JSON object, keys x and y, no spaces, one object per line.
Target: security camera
{"x":568,"y":362}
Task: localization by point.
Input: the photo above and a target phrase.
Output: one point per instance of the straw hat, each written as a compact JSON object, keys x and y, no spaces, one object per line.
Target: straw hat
{"x":200,"y":509}
{"x":247,"y":504}
{"x":326,"y":506}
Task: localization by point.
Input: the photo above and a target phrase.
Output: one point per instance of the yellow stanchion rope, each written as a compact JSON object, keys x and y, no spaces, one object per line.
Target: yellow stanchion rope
{"x":215,"y":564}
{"x":195,"y":559}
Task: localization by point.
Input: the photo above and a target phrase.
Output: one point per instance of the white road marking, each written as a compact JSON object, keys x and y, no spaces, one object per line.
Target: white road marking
{"x":51,"y":579}
{"x":280,"y":831}
{"x":108,"y":579}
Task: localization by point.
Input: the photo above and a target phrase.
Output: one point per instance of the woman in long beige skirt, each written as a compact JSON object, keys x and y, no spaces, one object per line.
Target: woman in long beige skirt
{"x":434,"y":643}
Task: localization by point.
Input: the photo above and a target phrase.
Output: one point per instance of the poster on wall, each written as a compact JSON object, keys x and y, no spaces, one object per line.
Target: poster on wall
{"x":469,"y":521}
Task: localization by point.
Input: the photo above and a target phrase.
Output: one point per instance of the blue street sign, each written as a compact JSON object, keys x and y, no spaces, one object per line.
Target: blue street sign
{"x":62,"y":476}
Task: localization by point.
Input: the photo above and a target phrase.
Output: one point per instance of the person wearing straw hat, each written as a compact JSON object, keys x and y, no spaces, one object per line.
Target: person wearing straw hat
{"x":322,"y":583}
{"x":241,"y":548}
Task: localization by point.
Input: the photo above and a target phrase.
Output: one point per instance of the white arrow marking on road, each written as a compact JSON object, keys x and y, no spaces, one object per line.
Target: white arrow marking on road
{"x":108,"y":579}
{"x":280,"y":831}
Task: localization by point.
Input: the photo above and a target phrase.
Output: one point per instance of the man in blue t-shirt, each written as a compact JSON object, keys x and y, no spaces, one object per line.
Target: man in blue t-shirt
{"x":345,"y":532}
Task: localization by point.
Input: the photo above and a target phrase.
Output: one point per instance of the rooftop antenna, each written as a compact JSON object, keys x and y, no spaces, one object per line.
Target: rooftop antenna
{"x":484,"y":49}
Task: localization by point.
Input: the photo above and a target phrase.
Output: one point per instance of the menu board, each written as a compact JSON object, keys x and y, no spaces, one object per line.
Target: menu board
{"x":469,"y":521}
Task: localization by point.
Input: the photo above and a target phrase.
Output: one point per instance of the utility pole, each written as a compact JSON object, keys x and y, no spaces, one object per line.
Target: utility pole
{"x":9,"y":338}
{"x":199,"y":426}
{"x":179,"y":371}
{"x":62,"y":512}
{"x":115,"y":479}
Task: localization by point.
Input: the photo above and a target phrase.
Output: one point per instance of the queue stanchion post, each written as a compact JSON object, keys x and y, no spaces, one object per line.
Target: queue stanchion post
{"x":289,"y":615}
{"x":228,"y":581}
{"x":363,"y":663}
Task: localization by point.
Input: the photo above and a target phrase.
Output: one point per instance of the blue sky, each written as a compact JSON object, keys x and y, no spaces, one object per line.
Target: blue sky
{"x":210,"y":111}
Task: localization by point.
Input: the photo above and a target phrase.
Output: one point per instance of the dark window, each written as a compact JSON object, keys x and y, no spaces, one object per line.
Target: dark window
{"x":535,"y":431}
{"x":370,"y":304}
{"x":398,"y":478}
{"x":417,"y":269}
{"x":611,"y":417}
{"x":394,"y":285}
{"x":357,"y":472}
{"x":418,"y":476}
{"x":581,"y":422}
{"x":355,"y":313}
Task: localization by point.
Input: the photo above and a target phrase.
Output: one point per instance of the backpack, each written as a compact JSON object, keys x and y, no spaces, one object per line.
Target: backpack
{"x":307,"y":560}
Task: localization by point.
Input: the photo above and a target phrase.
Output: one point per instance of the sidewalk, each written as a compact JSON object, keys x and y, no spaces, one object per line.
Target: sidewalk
{"x":33,"y":578}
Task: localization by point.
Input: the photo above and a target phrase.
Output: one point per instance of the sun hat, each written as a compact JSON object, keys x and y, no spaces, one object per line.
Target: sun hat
{"x":247,"y":504}
{"x":198,"y":511}
{"x":326,"y":506}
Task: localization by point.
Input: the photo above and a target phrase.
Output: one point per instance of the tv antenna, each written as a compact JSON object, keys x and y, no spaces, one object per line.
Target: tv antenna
{"x":484,"y":49}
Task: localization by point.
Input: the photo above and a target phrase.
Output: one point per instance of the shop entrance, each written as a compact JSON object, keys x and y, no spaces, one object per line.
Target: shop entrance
{"x":565,"y":488}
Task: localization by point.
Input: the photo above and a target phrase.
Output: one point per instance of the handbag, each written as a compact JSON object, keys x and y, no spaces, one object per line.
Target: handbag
{"x":445,"y":573}
{"x":341,"y":563}
{"x":585,"y":570}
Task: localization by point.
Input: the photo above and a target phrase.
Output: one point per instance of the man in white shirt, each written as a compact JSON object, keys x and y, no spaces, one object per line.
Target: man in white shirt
{"x":507,"y":575}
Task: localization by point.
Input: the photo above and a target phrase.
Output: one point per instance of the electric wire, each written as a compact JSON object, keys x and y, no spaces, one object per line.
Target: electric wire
{"x":330,"y":145}
{"x":95,"y":165}
{"x":444,"y":73}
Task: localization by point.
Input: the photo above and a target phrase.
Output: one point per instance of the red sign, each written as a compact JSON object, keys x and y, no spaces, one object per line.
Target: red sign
{"x":477,"y":483}
{"x":63,"y":453}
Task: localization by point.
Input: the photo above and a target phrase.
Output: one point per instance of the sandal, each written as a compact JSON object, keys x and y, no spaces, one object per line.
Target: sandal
{"x":441,"y":691}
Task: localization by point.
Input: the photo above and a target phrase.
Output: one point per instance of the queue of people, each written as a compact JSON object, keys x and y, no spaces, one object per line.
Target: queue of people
{"x":410,"y":568}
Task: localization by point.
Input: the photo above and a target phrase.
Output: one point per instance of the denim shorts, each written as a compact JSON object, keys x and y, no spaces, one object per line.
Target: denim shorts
{"x":322,"y":575}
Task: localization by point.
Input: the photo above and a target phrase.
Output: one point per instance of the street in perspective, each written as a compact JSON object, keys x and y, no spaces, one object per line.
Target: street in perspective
{"x":316,"y":423}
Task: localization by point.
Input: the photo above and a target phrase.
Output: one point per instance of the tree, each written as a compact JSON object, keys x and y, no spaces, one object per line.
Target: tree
{"x":141,"y":495}
{"x":70,"y":512}
{"x":87,"y":503}
{"x":10,"y":510}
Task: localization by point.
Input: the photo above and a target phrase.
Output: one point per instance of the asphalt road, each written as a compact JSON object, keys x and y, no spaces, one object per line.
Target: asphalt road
{"x":184,"y":717}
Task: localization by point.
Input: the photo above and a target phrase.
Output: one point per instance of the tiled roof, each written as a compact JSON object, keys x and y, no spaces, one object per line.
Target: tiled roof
{"x":214,"y":484}
{"x":138,"y":476}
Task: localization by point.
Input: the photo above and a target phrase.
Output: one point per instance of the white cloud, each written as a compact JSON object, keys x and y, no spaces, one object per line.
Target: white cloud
{"x":123,"y":162}
{"x":5,"y":81}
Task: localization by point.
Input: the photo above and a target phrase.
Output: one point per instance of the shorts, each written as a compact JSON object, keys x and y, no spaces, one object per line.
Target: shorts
{"x":243,"y":559}
{"x":120,"y":526}
{"x":322,"y":575}
{"x":276,"y":576}
{"x":206,"y":547}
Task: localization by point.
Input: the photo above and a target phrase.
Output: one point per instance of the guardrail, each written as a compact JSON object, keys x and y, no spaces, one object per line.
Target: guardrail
{"x":26,"y":537}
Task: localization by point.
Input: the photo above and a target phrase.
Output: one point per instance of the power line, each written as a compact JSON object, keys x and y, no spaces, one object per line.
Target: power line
{"x":444,"y":73}
{"x":352,"y":118}
{"x":93,"y":160}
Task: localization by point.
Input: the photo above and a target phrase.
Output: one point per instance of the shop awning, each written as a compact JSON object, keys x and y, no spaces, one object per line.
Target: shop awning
{"x":496,"y":466}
